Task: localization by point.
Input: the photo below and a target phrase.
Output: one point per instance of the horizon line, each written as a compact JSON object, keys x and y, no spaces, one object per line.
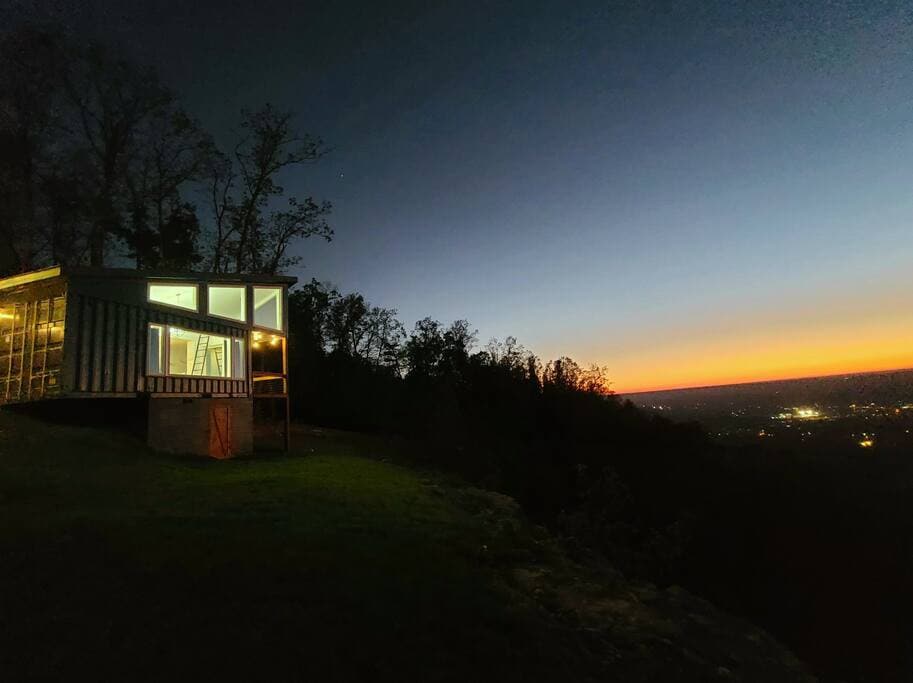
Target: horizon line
{"x":763,"y":381}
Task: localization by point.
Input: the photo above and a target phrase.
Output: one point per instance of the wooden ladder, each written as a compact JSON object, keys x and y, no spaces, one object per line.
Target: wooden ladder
{"x":217,"y":354}
{"x":199,"y":355}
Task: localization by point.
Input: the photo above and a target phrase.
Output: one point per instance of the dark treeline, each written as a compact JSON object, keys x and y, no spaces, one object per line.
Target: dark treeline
{"x":551,"y":434}
{"x":817,"y":550}
{"x":101,"y":164}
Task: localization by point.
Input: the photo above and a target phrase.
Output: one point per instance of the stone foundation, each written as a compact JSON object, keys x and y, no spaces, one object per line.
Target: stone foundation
{"x":215,"y":427}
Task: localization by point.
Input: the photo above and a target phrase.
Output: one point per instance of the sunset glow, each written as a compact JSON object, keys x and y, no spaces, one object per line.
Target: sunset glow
{"x":724,"y":379}
{"x":767,"y":359}
{"x":864,"y":330}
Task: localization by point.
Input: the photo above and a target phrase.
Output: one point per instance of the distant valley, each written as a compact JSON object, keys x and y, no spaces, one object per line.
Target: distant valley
{"x":872,"y":412}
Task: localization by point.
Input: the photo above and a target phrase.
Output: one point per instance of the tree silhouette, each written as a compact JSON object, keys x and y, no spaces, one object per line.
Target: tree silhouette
{"x":247,"y":235}
{"x":99,"y":157}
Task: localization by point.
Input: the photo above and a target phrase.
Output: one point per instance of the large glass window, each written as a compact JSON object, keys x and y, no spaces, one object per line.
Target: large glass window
{"x":228,"y":302}
{"x":268,"y":307}
{"x":155,"y":359}
{"x":198,"y":354}
{"x":179,"y":296}
{"x":187,"y":353}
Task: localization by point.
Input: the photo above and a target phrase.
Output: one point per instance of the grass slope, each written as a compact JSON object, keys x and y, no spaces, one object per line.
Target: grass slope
{"x":117,"y":563}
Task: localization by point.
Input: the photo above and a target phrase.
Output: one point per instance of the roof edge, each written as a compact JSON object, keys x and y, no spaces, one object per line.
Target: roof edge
{"x":133,"y":274}
{"x":29,"y":277}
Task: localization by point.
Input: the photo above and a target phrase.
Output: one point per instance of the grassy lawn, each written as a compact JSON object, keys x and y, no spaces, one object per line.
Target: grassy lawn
{"x":330,"y":563}
{"x":118,"y":562}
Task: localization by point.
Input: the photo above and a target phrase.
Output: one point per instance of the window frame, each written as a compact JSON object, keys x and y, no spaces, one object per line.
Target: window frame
{"x":201,"y":333}
{"x":163,"y":356}
{"x":166,"y":353}
{"x":243,"y":287}
{"x":253,"y":306}
{"x":242,"y":355}
{"x":174,"y":283}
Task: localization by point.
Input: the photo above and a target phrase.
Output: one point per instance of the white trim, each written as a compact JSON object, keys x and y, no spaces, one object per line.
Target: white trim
{"x":190,"y":394}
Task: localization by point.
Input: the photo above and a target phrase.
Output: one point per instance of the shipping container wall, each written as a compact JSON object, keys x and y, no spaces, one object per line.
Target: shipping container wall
{"x":106,"y":349}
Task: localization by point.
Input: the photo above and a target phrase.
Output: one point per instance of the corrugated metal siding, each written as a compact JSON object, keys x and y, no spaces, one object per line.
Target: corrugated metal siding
{"x":110,"y":350}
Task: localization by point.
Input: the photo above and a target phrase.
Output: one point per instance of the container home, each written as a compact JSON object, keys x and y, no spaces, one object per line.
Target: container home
{"x":202,"y":352}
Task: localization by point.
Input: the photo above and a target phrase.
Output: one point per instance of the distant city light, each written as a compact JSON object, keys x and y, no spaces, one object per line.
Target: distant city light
{"x":800,"y":413}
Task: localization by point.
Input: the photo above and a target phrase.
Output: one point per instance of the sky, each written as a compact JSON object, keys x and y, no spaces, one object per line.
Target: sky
{"x":687,"y":193}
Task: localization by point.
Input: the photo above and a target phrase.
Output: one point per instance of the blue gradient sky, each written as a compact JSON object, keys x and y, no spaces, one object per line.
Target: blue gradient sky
{"x":648,"y":188}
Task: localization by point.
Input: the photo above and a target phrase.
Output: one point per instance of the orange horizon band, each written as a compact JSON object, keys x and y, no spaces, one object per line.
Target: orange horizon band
{"x":710,"y":384}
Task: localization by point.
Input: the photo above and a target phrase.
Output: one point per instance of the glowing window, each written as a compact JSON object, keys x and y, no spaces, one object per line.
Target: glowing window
{"x":179,"y":296}
{"x":268,"y":307}
{"x":187,"y":353}
{"x":228,"y":302}
{"x":198,"y":354}
{"x":155,"y":360}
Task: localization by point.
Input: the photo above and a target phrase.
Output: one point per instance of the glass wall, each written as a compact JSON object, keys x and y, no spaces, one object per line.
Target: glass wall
{"x":268,"y":307}
{"x":224,"y":301}
{"x":188,"y":353}
{"x":197,"y":354}
{"x":31,"y":348}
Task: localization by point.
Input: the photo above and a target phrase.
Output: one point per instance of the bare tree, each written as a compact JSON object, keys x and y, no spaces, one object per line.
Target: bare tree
{"x":369,"y":333}
{"x":98,"y":157}
{"x":248,"y":235}
{"x":174,"y":152}
{"x":31,"y":60}
{"x":112,"y":100}
{"x":564,"y":374}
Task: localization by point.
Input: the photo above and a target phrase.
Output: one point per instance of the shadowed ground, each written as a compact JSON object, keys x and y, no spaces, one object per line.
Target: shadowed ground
{"x":118,"y":563}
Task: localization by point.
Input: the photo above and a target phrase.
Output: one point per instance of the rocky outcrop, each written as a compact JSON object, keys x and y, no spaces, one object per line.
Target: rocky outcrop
{"x":636,"y":631}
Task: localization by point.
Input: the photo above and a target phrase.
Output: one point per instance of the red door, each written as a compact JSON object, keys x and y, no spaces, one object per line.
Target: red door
{"x":220,"y":431}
